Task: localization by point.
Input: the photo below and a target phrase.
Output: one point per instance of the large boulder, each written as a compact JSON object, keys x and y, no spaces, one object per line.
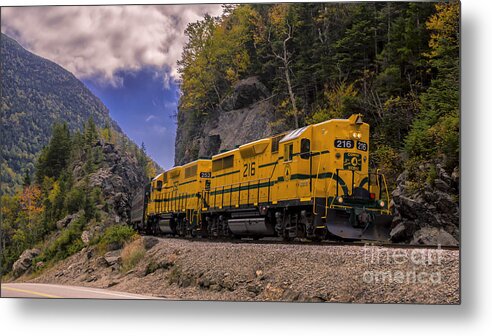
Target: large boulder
{"x":150,"y":242}
{"x":69,"y":219}
{"x":113,"y":257}
{"x":245,"y":92}
{"x":434,"y":236}
{"x":24,"y":263}
{"x":86,"y":237}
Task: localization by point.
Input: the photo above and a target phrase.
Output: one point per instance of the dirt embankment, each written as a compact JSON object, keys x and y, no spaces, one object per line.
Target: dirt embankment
{"x":270,"y":272}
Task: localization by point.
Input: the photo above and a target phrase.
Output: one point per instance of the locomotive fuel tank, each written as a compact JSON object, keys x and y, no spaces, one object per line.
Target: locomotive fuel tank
{"x":250,"y":227}
{"x":166,"y":224}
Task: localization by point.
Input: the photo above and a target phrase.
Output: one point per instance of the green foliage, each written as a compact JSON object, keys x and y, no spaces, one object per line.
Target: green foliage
{"x":106,"y":132}
{"x":74,"y":200}
{"x":21,"y":224}
{"x":54,"y":158}
{"x":389,"y":161}
{"x":337,"y":102}
{"x":66,"y":244}
{"x":418,"y":175}
{"x":221,"y":46}
{"x":175,"y":274}
{"x":27,"y":179}
{"x":432,"y":175}
{"x":115,"y":236}
{"x":436,"y":129}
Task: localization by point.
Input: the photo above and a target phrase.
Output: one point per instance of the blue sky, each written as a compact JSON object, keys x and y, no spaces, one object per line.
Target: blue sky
{"x":144,"y":106}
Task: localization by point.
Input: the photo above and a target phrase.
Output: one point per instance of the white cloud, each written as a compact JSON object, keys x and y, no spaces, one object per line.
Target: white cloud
{"x":166,"y":80}
{"x":97,"y":41}
{"x":150,"y":117}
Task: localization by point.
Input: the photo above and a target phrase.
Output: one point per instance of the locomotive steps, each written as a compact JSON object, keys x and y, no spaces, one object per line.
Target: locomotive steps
{"x":204,"y":270}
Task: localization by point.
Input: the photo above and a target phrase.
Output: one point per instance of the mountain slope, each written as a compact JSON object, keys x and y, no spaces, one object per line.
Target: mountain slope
{"x":35,"y":94}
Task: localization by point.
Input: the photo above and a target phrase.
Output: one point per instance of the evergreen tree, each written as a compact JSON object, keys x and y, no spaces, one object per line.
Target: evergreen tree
{"x":90,"y":132}
{"x":27,"y":179}
{"x":90,"y":137}
{"x":54,"y":158}
{"x":436,"y":130}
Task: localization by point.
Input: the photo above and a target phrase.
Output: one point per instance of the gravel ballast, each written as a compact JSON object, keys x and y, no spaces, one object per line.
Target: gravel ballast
{"x":203,"y":270}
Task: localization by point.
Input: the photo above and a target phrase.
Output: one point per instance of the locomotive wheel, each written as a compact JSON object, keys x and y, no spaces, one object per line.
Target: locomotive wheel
{"x":286,"y":237}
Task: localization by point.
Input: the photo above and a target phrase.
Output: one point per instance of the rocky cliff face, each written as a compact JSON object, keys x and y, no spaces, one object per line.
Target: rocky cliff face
{"x":118,"y":175}
{"x":427,"y":213}
{"x":247,"y":114}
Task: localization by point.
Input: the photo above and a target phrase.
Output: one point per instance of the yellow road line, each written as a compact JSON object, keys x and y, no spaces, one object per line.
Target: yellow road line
{"x":32,"y":292}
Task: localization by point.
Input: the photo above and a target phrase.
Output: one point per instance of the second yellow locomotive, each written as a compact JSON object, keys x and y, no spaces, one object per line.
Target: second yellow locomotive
{"x":312,"y":182}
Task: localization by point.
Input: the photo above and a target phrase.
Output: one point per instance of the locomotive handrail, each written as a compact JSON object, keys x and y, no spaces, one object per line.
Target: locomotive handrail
{"x":379,"y":176}
{"x":229,"y":187}
{"x":313,"y":191}
{"x":368,"y":174}
{"x":387,"y":193}
{"x":332,"y":200}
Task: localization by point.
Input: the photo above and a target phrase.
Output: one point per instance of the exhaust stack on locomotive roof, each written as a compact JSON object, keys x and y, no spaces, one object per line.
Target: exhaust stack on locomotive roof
{"x":312,"y":182}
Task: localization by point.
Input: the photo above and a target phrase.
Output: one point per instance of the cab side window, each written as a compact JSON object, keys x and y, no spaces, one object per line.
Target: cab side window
{"x":305,"y":148}
{"x":288,"y":150}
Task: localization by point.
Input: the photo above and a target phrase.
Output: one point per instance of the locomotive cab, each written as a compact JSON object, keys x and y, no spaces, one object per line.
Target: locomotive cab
{"x":356,"y":203}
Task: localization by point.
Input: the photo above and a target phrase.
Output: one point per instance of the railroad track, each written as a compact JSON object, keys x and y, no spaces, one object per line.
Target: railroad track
{"x":279,"y":241}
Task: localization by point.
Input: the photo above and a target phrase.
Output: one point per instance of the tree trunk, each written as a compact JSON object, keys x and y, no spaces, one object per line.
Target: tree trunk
{"x":285,"y":58}
{"x":292,"y":98}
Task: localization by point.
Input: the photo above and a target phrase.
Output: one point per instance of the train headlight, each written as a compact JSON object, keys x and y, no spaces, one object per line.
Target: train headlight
{"x":354,"y":135}
{"x":382,"y":204}
{"x":359,"y":136}
{"x":340,"y":199}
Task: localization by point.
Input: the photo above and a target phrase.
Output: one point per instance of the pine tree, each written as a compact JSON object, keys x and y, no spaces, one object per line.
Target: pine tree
{"x":54,"y":158}
{"x":90,"y":137}
{"x":436,"y":129}
{"x":27,"y":179}
{"x":90,"y":132}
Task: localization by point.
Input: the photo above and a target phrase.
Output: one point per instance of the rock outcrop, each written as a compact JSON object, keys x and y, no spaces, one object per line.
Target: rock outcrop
{"x":428,"y":213}
{"x":67,"y":220}
{"x":24,"y":263}
{"x":247,"y":114}
{"x":118,"y":176}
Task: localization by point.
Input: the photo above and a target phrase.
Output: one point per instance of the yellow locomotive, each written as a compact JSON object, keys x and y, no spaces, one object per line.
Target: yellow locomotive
{"x":312,"y":182}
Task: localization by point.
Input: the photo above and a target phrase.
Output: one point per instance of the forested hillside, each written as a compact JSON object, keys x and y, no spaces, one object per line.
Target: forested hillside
{"x":395,"y":63}
{"x":35,"y":94}
{"x":83,"y":185}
